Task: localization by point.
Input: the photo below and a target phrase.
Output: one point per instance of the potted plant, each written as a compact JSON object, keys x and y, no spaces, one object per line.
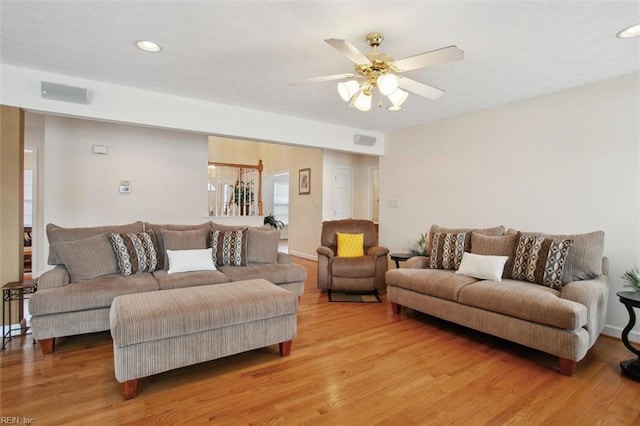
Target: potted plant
{"x":275,"y":223}
{"x":243,"y":196}
{"x":420,"y":247}
{"x":632,"y":279}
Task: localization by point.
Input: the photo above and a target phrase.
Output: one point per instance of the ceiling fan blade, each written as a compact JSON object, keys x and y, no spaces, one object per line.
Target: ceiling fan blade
{"x":428,"y":59}
{"x":348,"y":50}
{"x":421,"y":89}
{"x":323,"y":78}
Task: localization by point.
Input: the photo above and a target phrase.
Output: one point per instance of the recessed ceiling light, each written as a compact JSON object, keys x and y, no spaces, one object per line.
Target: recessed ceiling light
{"x":632,"y":31}
{"x":148,"y":46}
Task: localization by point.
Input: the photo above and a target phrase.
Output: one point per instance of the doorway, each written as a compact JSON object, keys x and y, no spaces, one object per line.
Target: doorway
{"x":374,"y":193}
{"x":29,"y":201}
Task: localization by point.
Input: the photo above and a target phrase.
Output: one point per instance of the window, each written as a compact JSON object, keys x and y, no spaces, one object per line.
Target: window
{"x":281,"y":201}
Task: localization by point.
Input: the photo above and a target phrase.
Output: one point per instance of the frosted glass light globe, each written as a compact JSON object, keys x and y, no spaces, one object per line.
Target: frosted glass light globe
{"x":387,"y":84}
{"x":347,"y":89}
{"x":363,"y":102}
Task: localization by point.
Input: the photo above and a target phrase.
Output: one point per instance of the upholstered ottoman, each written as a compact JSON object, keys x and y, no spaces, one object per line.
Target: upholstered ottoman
{"x":160,"y":331}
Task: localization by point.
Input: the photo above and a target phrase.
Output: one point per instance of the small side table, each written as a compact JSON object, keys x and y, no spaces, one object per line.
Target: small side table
{"x":630,"y":299}
{"x":400,"y":257}
{"x":11,"y":292}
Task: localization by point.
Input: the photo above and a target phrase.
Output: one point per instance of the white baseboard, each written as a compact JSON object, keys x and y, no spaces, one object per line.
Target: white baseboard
{"x":303,"y":255}
{"x":612,"y":331}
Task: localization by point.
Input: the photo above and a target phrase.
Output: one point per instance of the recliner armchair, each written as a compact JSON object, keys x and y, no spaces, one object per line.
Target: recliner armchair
{"x":357,"y":274}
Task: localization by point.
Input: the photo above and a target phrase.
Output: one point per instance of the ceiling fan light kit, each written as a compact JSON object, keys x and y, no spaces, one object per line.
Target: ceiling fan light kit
{"x":378,"y":70}
{"x":363,"y":101}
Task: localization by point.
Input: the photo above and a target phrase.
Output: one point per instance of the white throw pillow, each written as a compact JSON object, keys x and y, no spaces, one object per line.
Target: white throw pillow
{"x":190,"y":260}
{"x":482,"y":267}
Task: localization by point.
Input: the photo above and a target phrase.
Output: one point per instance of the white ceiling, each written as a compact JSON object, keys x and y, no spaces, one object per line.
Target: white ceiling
{"x":245,"y":53}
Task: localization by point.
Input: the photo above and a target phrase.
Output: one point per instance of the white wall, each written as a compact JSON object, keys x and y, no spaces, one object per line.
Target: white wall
{"x":305,"y":211}
{"x":562,"y":163}
{"x":110,"y":102}
{"x":167,"y":171}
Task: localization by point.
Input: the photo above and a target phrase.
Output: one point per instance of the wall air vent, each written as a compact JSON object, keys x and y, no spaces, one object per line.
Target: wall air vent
{"x":364,"y":140}
{"x":60,"y":92}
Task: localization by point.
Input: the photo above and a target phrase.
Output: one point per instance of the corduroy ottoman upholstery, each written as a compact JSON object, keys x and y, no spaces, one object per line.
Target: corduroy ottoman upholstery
{"x":161,"y":331}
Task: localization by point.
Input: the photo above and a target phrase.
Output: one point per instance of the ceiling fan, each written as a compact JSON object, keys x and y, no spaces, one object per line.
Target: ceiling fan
{"x":376,"y":69}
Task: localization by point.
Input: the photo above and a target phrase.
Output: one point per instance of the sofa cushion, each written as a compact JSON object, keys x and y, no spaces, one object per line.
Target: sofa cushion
{"x":190,"y":260}
{"x":584,"y":260}
{"x":504,"y":245}
{"x":277,"y":273}
{"x":526,"y":301}
{"x":157,"y":228}
{"x":229,"y":247}
{"x":87,"y":258}
{"x":496,"y":230}
{"x":484,"y":267}
{"x":95,"y":294}
{"x":262,"y":245}
{"x":432,"y":282}
{"x":190,"y":239}
{"x":57,"y":233}
{"x":189,"y":279}
{"x":353,"y":267}
{"x":447,"y":249}
{"x":540,"y":260}
{"x":135,"y":252}
{"x":350,"y":245}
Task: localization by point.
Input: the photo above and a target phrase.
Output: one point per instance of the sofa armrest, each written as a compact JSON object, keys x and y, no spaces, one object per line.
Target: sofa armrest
{"x":54,"y":278}
{"x":377,"y":251}
{"x":593,"y":294}
{"x":325,"y":251}
{"x":417,"y":262}
{"x":284,"y":258}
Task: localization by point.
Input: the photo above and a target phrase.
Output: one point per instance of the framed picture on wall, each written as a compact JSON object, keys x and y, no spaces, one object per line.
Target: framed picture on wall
{"x":304,"y":181}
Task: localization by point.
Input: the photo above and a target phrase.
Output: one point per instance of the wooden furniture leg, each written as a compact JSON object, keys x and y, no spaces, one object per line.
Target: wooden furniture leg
{"x":285,"y":347}
{"x":566,"y":366}
{"x":129,"y":389}
{"x":47,"y":345}
{"x":395,"y":308}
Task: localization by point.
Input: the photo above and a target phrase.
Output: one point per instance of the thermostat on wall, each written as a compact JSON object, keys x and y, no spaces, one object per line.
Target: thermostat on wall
{"x":100,"y":149}
{"x":125,"y":187}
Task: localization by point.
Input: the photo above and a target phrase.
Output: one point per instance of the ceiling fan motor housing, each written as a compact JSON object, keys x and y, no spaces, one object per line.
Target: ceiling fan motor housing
{"x":375,"y":39}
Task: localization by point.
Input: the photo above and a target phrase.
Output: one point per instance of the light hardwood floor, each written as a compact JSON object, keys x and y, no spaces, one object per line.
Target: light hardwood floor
{"x":350,"y":364}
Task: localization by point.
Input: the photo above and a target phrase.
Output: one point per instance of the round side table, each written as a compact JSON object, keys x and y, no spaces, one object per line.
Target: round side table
{"x":630,"y":299}
{"x":400,"y":257}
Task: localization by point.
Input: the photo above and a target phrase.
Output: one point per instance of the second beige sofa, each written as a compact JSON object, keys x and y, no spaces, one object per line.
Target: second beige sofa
{"x":564,"y":321}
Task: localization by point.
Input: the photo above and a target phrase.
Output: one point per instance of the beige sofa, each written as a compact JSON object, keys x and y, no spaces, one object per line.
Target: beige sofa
{"x":75,"y":296}
{"x":562,"y":317}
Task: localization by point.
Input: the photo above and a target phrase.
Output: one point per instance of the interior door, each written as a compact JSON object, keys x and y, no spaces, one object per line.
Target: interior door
{"x":343,"y":192}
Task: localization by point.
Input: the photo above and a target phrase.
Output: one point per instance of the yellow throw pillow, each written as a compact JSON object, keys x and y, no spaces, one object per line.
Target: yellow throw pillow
{"x":350,"y":245}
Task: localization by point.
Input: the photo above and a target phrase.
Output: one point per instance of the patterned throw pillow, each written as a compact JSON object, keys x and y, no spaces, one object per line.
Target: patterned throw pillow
{"x":540,"y":260}
{"x":350,"y":245}
{"x":447,"y":249}
{"x":135,"y":252}
{"x":229,"y":247}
